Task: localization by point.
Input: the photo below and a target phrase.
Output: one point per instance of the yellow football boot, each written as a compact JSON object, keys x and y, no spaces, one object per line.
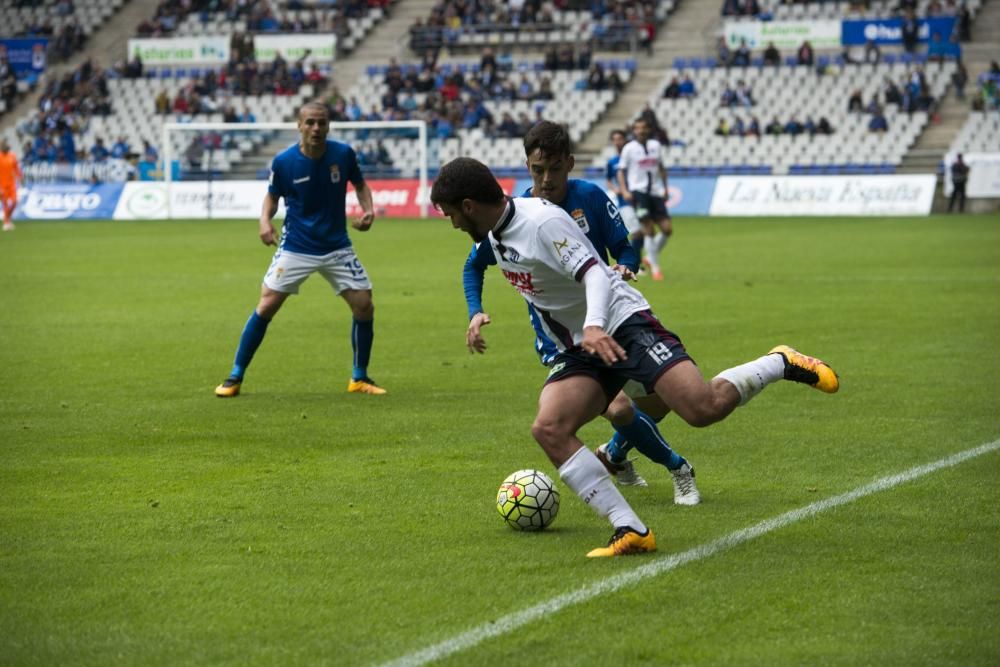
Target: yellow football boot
{"x":807,"y":370}
{"x":365,"y":386}
{"x":625,"y":542}
{"x":229,"y":388}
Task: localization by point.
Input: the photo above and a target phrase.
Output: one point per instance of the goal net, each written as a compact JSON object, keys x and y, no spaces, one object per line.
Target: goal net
{"x":219,"y":170}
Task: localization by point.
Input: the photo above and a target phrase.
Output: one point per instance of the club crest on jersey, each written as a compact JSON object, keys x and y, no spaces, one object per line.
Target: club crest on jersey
{"x":581,"y":219}
{"x":508,"y":254}
{"x":334,"y":173}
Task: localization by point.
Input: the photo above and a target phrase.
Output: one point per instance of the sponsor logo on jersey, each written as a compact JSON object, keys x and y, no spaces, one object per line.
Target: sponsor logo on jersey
{"x":581,"y":219}
{"x":304,"y":179}
{"x":334,"y":173}
{"x":521,"y":281}
{"x":613,"y":211}
{"x":565,"y":250}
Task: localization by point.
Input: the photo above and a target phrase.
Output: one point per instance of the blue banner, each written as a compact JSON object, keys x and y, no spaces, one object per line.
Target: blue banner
{"x":890,"y":31}
{"x":25,"y":55}
{"x":67,"y":201}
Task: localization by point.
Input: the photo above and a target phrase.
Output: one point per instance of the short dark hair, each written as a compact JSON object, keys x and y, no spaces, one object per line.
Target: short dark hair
{"x":318,"y":106}
{"x":552,"y":139}
{"x":465,"y":178}
{"x":617,"y":131}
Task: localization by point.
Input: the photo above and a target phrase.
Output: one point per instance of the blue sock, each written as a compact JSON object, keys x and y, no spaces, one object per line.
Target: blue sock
{"x":646,"y":437}
{"x":362,"y":336}
{"x":253,"y":334}
{"x":618,"y":447}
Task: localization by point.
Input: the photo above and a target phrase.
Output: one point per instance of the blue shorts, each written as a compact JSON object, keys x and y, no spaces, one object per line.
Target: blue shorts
{"x":651,"y":350}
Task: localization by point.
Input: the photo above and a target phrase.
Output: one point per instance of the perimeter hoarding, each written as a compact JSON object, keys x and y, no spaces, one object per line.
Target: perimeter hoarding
{"x":66,"y":201}
{"x":823,"y":195}
{"x":984,"y":174}
{"x":242,"y":199}
{"x":180,"y":51}
{"x":787,"y":35}
{"x":686,"y":196}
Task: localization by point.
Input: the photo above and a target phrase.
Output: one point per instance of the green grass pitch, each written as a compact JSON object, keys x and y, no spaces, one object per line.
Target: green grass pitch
{"x":145,"y":522}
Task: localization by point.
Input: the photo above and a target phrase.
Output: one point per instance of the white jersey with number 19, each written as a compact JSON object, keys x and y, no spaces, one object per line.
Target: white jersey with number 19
{"x":544,"y":255}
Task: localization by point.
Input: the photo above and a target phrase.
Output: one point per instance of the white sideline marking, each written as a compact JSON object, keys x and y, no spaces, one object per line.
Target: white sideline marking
{"x":663,"y":564}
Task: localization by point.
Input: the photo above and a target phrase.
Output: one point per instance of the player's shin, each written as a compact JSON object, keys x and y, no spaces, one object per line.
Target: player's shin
{"x":646,"y":437}
{"x":362,"y":339}
{"x":585,"y":474}
{"x":250,"y":340}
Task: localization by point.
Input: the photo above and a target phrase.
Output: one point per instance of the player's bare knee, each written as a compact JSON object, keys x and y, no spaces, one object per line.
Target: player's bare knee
{"x":363,"y":311}
{"x":549,"y":432}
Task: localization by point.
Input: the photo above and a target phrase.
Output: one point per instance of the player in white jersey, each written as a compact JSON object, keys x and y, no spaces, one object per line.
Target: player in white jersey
{"x":642,"y":182}
{"x":606,"y":334}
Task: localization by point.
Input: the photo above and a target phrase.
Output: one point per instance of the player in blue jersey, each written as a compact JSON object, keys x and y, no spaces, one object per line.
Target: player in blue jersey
{"x":312,"y":177}
{"x":550,"y":161}
{"x":625,"y":208}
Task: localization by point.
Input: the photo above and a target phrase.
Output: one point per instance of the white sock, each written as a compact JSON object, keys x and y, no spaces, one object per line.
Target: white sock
{"x":587,"y":476}
{"x":661,"y":240}
{"x":652,"y":252}
{"x":750,"y":378}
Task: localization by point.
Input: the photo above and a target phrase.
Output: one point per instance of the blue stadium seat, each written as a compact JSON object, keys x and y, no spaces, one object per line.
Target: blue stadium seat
{"x":889,"y":58}
{"x":696,"y":63}
{"x":711,"y":63}
{"x":680,"y":63}
{"x":791,"y":61}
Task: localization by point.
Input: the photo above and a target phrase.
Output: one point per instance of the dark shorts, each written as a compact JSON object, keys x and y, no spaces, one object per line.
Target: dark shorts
{"x":651,"y":351}
{"x":648,"y":206}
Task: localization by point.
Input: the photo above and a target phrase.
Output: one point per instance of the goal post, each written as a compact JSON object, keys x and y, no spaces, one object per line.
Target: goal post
{"x":210,"y":152}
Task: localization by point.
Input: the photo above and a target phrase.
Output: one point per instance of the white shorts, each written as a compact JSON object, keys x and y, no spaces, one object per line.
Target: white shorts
{"x":630,"y":219}
{"x":341,"y":268}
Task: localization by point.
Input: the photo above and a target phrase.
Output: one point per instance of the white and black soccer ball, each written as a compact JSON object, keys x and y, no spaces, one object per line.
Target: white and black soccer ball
{"x":528,"y":500}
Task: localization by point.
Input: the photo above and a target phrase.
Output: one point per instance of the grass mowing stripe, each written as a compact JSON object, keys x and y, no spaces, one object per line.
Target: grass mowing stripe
{"x":511,"y":622}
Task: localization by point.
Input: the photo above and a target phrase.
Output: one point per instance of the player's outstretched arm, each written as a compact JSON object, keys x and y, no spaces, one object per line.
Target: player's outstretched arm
{"x":473,"y":276}
{"x":474,"y":334}
{"x":364,"y":223}
{"x":266,"y":228}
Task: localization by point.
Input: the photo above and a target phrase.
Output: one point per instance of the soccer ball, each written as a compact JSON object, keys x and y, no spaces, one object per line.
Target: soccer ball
{"x":528,"y":500}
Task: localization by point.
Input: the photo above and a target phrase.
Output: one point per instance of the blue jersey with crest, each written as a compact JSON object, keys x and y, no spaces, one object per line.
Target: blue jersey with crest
{"x":315,"y":193}
{"x":597,"y":217}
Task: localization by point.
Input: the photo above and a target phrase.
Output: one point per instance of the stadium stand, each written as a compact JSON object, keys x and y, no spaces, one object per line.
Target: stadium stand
{"x":472,"y":109}
{"x":67,"y":24}
{"x":460,"y":25}
{"x":350,"y":20}
{"x":491,"y":70}
{"x":785,"y":10}
{"x":796,"y":93}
